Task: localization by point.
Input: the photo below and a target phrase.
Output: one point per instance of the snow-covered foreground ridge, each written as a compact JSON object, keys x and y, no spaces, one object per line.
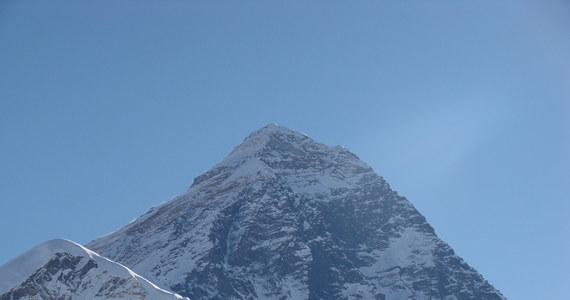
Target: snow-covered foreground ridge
{"x":62,"y":269}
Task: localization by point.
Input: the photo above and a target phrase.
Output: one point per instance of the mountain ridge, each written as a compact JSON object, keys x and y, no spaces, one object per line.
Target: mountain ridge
{"x":280,"y":194}
{"x":280,"y":217}
{"x":60,"y":268}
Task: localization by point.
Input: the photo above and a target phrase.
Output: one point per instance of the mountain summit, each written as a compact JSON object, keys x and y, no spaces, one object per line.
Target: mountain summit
{"x":285,"y":217}
{"x":281,"y":217}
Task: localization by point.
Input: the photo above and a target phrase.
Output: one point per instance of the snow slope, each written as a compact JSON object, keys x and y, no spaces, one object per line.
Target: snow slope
{"x":63,"y":269}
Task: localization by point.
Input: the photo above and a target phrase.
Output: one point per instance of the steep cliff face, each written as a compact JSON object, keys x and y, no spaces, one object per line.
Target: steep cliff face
{"x":61,"y":269}
{"x":284,"y":217}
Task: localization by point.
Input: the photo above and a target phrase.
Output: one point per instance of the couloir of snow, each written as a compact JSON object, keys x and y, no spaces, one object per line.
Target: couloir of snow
{"x":133,"y":286}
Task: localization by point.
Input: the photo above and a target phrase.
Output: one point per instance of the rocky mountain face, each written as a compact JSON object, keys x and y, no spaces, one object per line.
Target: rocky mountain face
{"x":284,"y":217}
{"x":61,"y":269}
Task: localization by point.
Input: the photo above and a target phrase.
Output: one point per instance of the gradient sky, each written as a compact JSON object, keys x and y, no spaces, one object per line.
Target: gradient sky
{"x":108,"y":108}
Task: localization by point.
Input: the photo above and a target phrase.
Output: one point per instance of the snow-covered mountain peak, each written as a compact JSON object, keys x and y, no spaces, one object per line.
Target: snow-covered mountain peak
{"x":285,"y":217}
{"x":275,"y":129}
{"x":281,"y":217}
{"x":276,"y":150}
{"x":268,"y":151}
{"x":267,"y":136}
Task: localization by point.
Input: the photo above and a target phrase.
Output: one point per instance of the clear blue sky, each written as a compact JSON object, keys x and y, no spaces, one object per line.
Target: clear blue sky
{"x":108,"y":108}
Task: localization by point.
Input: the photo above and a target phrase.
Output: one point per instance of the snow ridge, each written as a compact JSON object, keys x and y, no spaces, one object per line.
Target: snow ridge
{"x":62,"y":268}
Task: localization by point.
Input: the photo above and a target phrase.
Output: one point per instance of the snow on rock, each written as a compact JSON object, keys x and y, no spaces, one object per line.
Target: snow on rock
{"x":283,"y":216}
{"x":62,"y":269}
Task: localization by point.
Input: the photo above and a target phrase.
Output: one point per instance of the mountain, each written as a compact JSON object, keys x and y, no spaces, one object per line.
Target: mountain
{"x":61,"y":269}
{"x":285,"y":217}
